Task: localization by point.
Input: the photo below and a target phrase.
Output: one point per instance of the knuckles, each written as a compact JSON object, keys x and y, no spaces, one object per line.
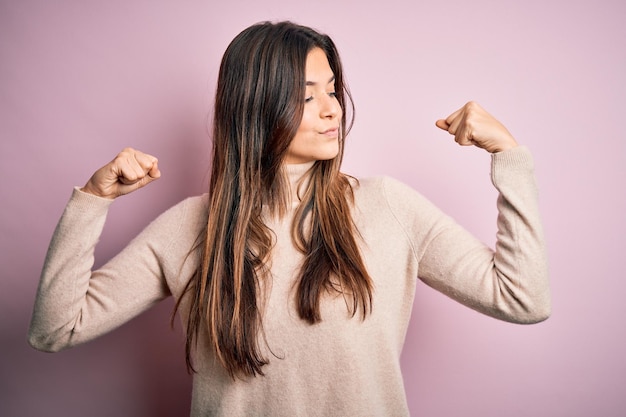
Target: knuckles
{"x":472,"y":105}
{"x":126,"y":152}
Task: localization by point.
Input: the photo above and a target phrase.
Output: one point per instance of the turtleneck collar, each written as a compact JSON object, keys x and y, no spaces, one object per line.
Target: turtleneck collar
{"x":295,"y":174}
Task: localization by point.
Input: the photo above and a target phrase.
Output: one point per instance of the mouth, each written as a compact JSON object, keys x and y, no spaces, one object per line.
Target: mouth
{"x":332,"y":132}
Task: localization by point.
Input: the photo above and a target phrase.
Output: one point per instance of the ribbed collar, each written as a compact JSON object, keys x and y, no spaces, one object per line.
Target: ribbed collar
{"x":295,"y":174}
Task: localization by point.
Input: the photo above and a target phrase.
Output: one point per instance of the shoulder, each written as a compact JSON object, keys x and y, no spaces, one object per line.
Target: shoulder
{"x":404,"y":203}
{"x":187,"y":216}
{"x":193,"y":203}
{"x":387,"y":191}
{"x":375,"y":184}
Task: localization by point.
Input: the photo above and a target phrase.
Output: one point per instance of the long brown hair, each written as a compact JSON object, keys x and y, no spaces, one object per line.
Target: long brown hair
{"x":258,"y":108}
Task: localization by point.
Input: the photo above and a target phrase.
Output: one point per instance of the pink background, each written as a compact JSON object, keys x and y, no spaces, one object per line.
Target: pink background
{"x":79,"y":82}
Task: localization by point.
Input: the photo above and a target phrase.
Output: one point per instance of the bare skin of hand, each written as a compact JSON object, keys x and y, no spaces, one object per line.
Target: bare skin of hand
{"x":129,"y":171}
{"x":472,"y":125}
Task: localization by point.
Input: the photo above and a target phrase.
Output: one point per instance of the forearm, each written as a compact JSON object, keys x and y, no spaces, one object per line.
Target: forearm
{"x":510,"y":283}
{"x":66,"y":272}
{"x":520,"y":259}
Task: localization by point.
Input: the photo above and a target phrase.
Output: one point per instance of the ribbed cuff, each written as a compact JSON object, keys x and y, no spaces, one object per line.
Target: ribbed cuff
{"x":89,"y":201}
{"x":515,"y":159}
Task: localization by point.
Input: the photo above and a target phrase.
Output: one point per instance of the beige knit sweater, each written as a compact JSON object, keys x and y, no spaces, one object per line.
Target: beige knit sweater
{"x":342,"y":366}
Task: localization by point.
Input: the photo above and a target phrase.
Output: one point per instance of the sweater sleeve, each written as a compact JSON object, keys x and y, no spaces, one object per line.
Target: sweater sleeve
{"x":74,"y":303}
{"x":509,"y":283}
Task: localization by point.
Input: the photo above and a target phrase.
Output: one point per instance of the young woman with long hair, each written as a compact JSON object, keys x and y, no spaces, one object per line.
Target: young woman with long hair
{"x":294,"y":281}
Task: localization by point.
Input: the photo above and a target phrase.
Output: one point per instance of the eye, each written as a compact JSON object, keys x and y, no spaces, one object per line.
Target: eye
{"x":333,"y":94}
{"x":308,"y":99}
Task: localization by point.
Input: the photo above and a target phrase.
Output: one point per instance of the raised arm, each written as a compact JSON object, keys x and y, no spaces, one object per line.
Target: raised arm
{"x":74,"y":303}
{"x":510,"y":283}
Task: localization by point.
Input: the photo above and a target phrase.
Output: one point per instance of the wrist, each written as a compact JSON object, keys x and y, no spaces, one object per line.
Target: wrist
{"x":506,"y":145}
{"x":89,"y":189}
{"x":505,"y":148}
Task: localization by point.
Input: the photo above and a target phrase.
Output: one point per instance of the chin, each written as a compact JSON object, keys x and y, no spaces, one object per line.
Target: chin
{"x":330,"y":154}
{"x":326,"y":157}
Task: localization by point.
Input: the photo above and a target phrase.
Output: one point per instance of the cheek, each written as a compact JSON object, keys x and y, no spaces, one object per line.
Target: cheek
{"x":306,"y":125}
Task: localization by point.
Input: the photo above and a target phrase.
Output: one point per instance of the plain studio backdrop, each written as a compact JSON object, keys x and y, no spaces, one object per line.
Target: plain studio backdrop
{"x":79,"y":81}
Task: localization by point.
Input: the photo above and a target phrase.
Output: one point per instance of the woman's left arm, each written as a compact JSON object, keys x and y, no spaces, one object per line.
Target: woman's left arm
{"x":510,"y":283}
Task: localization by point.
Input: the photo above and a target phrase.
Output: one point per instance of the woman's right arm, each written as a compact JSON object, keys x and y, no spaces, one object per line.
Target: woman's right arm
{"x":74,"y":303}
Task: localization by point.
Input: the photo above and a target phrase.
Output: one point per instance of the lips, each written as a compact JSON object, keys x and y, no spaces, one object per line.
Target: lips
{"x":332,"y":132}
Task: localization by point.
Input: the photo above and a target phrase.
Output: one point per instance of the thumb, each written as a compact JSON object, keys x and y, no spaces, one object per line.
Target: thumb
{"x":154,"y":172}
{"x":442,"y":124}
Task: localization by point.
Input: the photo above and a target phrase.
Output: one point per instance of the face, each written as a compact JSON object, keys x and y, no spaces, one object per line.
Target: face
{"x":317,"y":137}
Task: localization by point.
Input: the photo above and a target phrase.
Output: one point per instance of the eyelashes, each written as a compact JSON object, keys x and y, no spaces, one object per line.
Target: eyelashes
{"x":332,"y":94}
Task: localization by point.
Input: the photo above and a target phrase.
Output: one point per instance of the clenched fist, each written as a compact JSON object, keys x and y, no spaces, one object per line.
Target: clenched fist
{"x":129,"y":171}
{"x":472,"y":125}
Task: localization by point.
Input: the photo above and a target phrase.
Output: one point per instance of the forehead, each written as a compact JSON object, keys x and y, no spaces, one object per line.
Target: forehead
{"x":317,"y":66}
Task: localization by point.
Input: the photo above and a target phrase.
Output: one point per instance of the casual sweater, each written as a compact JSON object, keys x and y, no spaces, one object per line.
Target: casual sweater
{"x":342,"y":366}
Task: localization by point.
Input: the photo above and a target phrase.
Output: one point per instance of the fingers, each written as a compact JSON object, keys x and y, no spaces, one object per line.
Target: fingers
{"x":451,"y":123}
{"x":134,"y":167}
{"x":457,"y":124}
{"x":454,"y":119}
{"x":127,"y":172}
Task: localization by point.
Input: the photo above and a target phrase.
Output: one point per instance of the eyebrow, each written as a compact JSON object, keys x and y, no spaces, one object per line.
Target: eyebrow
{"x":314,"y":83}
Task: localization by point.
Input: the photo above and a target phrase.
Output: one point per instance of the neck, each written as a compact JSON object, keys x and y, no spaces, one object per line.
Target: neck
{"x":297,"y":176}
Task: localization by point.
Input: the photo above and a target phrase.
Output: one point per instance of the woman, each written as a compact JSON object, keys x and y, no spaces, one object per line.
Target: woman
{"x":294,"y":282}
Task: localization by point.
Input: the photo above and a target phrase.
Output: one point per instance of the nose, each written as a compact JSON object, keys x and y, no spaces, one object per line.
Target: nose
{"x":330,"y":107}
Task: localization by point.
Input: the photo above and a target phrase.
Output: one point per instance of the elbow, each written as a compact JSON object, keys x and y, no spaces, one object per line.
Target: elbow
{"x":523,"y":307}
{"x":538,"y":315}
{"x":44,"y":342}
{"x":527,"y":304}
{"x":37,"y":344}
{"x":536,"y":311}
{"x":541,"y":305}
